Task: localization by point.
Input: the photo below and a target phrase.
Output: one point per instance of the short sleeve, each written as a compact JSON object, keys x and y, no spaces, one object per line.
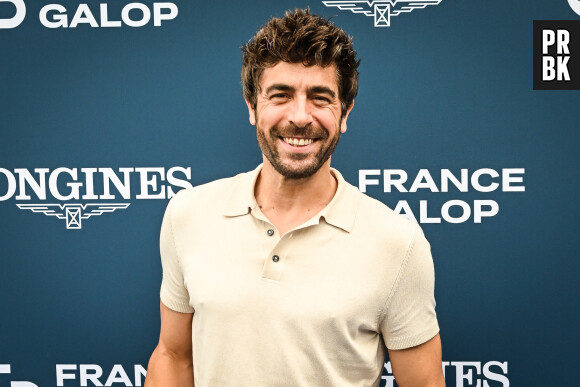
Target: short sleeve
{"x":409,"y":318}
{"x":173,"y":293}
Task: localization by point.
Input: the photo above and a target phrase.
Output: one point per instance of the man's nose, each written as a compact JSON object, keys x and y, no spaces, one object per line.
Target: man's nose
{"x":300,"y":112}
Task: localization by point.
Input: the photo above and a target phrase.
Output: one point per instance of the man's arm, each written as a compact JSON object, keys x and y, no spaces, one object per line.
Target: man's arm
{"x":418,"y":366}
{"x":171,"y":363}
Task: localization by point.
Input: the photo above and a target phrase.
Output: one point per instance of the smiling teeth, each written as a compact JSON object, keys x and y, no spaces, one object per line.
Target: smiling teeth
{"x":298,"y":141}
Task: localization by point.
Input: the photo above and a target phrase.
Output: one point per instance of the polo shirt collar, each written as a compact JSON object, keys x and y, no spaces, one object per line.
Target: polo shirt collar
{"x":242,"y":200}
{"x":340,"y":212}
{"x":342,"y":209}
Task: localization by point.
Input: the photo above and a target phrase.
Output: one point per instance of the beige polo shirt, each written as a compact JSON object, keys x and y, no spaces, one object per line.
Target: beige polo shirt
{"x":314,"y":307}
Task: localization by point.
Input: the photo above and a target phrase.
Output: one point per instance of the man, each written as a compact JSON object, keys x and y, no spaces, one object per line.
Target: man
{"x":287,"y":275}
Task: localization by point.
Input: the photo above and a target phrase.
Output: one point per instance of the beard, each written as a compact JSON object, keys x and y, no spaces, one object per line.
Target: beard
{"x":297,"y":165}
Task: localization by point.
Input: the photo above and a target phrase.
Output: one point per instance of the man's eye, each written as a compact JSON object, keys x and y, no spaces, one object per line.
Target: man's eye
{"x":279,"y":96}
{"x":319,"y":98}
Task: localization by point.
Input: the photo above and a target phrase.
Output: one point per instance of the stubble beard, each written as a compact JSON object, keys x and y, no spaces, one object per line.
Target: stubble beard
{"x":297,"y":165}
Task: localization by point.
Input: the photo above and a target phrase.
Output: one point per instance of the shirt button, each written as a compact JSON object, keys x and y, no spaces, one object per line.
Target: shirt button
{"x":270,"y":232}
{"x":275,"y":258}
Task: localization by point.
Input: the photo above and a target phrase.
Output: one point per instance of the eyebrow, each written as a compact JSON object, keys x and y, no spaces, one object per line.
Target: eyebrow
{"x":278,"y":87}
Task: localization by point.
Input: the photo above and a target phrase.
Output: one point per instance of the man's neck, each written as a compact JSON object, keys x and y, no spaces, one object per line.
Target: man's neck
{"x":288,"y":203}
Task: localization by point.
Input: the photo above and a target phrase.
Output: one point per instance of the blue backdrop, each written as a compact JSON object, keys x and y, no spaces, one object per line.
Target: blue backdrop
{"x":139,"y":112}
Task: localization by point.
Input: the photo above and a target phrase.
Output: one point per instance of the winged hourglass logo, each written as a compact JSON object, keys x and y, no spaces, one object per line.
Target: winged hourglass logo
{"x":381,"y":10}
{"x":75,"y":213}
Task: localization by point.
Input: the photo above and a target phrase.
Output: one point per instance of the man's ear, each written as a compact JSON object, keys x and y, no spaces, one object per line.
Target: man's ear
{"x":251,"y":112}
{"x":344,"y":118}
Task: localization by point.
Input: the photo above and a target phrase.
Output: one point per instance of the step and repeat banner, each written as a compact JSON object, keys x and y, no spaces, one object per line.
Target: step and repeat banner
{"x":466,"y":122}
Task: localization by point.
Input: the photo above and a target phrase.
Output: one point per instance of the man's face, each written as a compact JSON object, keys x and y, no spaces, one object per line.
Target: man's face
{"x":298,"y":117}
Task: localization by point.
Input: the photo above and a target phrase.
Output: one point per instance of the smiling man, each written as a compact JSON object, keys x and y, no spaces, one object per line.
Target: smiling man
{"x":287,"y":275}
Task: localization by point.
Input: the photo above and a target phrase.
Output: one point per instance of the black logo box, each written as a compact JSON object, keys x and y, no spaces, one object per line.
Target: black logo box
{"x":573,"y":27}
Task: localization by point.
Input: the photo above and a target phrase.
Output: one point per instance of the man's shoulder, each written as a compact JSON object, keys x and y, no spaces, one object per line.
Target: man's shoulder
{"x":377,"y":217}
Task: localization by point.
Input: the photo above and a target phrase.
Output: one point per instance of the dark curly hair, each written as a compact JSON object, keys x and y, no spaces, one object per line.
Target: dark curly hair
{"x":300,"y":37}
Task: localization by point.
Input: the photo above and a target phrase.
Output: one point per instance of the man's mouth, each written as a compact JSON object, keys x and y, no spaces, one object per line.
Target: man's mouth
{"x":297,"y":141}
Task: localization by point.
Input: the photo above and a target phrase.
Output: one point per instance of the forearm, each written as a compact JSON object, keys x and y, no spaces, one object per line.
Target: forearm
{"x":168,"y":369}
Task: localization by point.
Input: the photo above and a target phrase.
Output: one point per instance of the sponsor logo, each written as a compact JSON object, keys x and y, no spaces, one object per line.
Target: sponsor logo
{"x":575,"y":5}
{"x":89,"y":375}
{"x":464,"y":374}
{"x":73,"y":213}
{"x":557,"y":54}
{"x":95,"y":374}
{"x":6,"y":369}
{"x":452,"y":184}
{"x":18,"y":17}
{"x":457,"y":373}
{"x":58,"y":16}
{"x":87,"y":192}
{"x":380,"y":10}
